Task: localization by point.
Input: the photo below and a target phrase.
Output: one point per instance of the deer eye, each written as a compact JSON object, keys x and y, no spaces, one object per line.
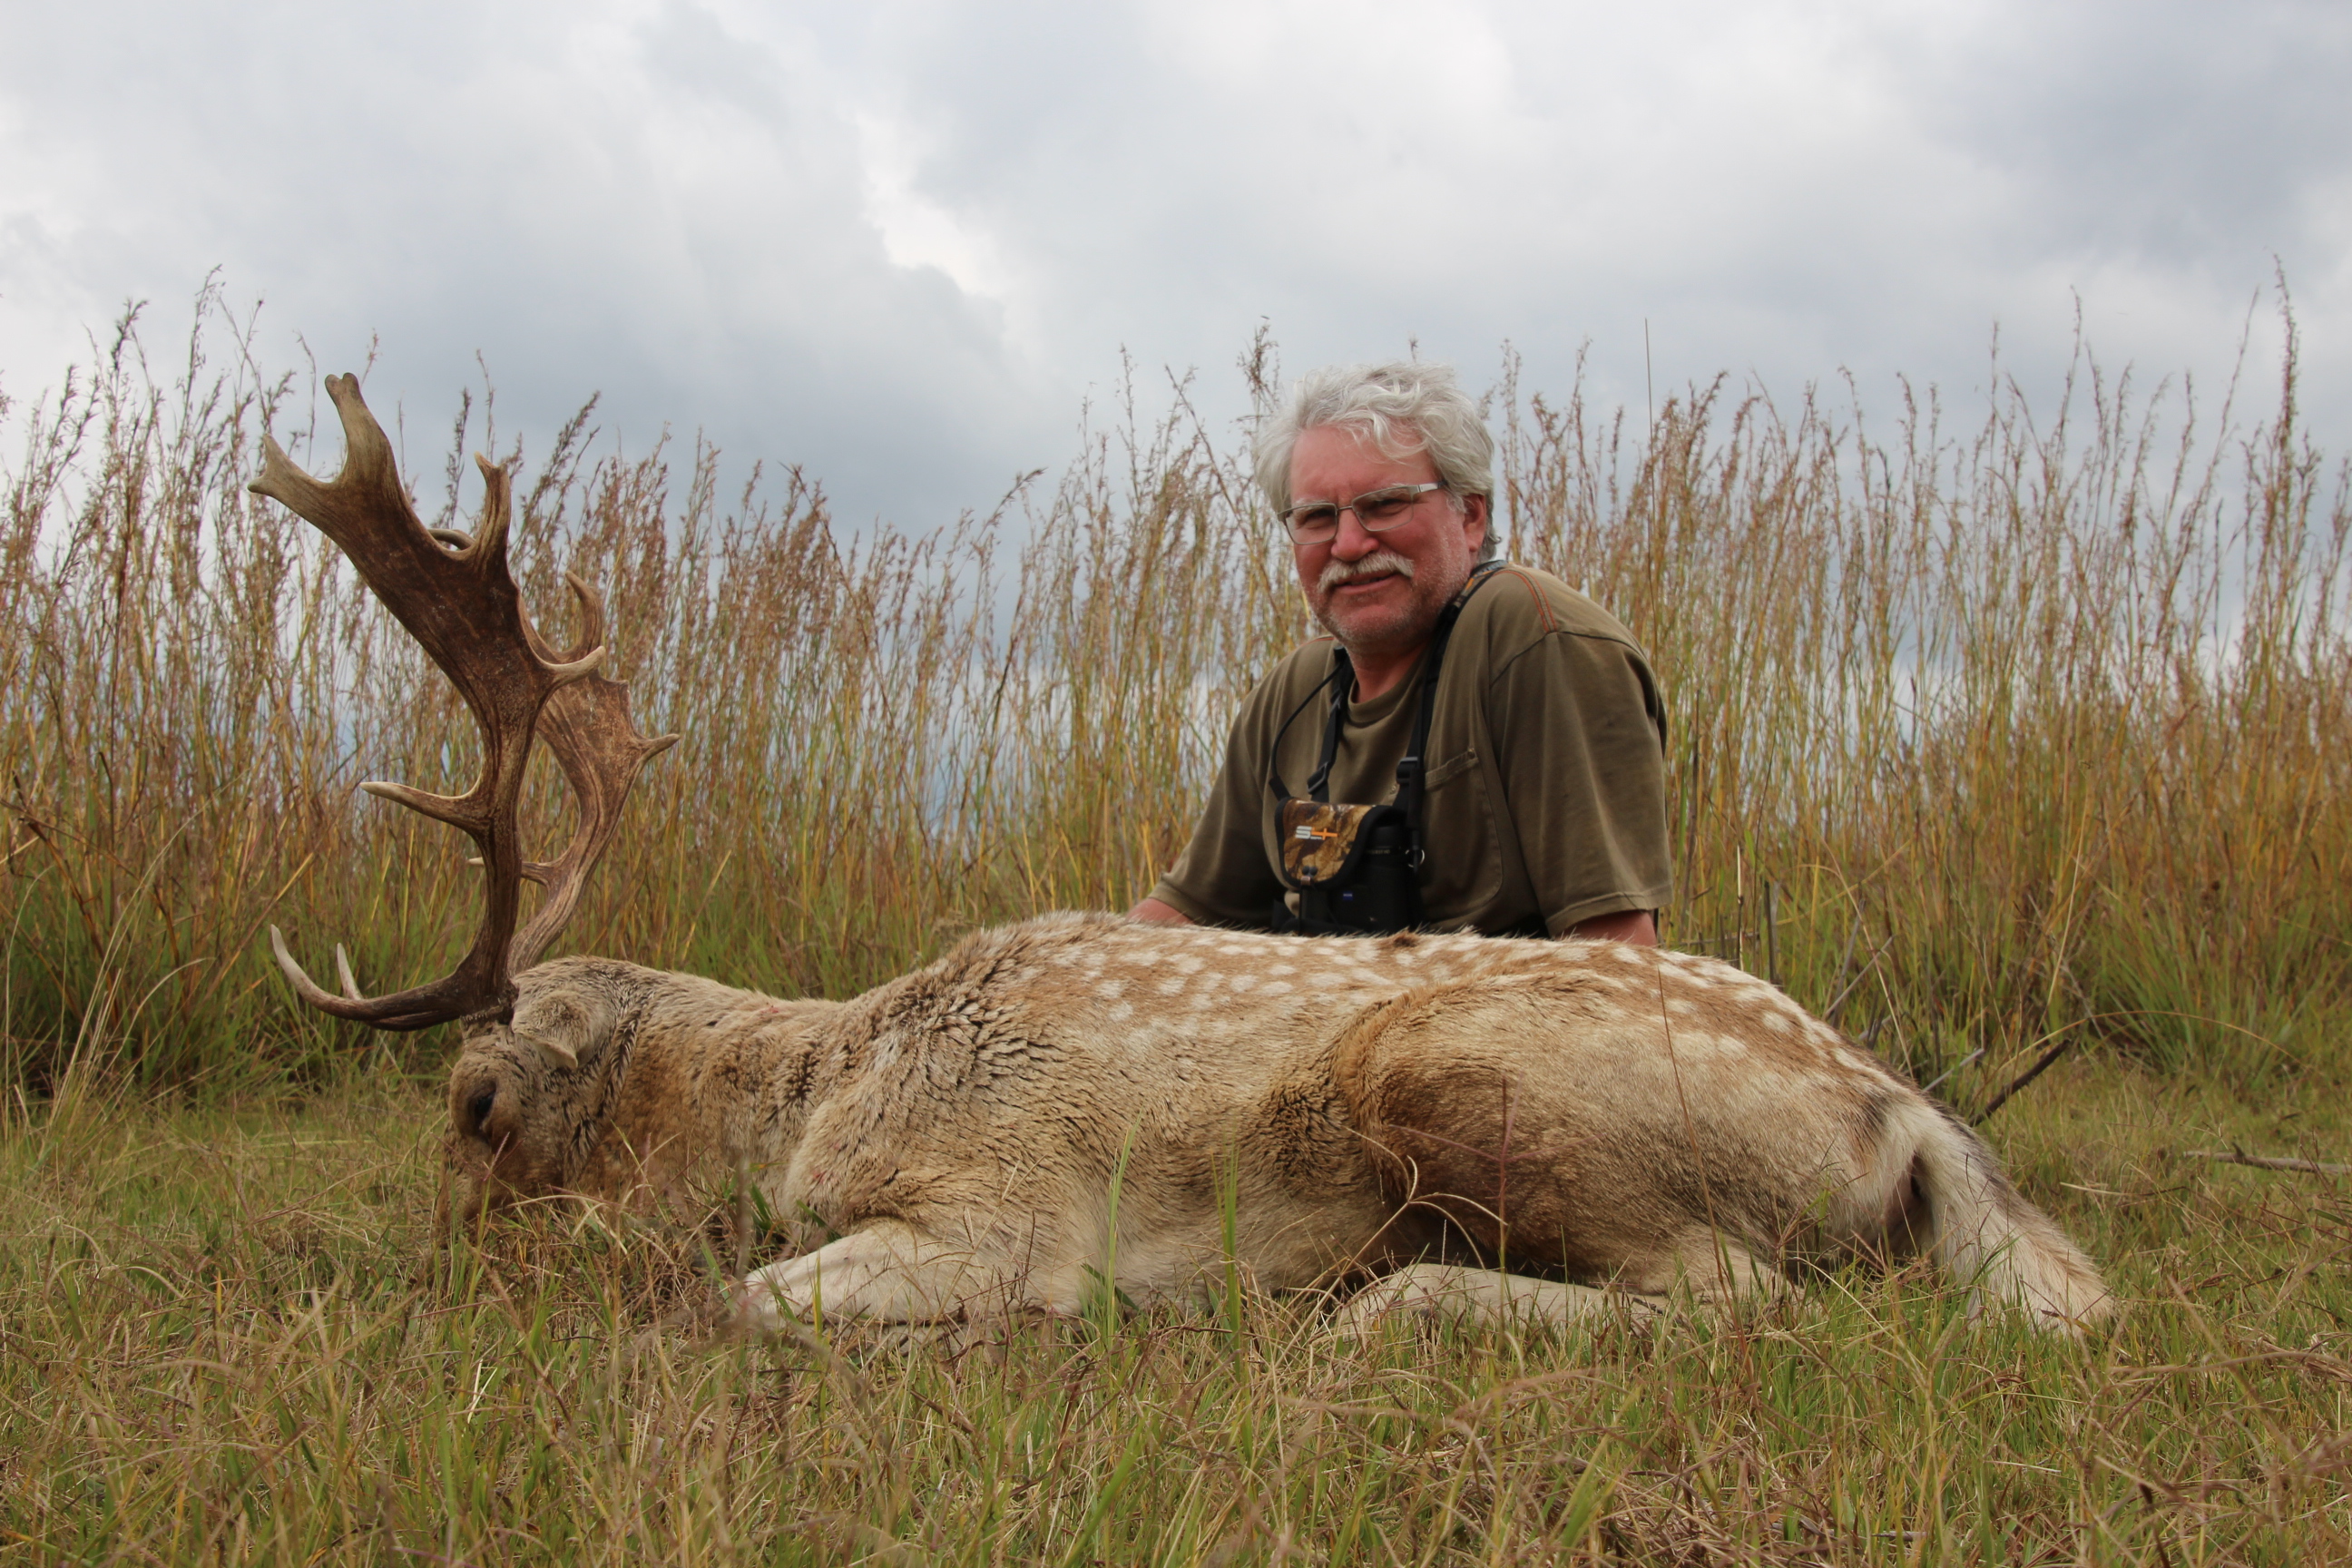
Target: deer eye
{"x":480,"y":1109}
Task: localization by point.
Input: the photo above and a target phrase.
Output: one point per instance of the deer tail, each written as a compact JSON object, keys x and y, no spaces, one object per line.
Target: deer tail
{"x":1985,"y":1234}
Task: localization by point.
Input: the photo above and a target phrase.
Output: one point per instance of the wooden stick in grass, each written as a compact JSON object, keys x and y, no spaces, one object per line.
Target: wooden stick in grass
{"x":2268,"y":1162}
{"x":2042,"y":1065}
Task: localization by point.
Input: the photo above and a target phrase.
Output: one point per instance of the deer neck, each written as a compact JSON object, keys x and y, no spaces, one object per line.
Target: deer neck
{"x":703,"y":1081}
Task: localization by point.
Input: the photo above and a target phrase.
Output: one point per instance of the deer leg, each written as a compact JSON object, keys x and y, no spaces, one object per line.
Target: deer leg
{"x":889,"y":1272}
{"x":1712,"y":1266}
{"x":1485,"y":1297}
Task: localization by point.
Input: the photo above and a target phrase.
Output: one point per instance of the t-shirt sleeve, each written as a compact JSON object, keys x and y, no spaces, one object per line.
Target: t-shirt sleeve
{"x":1580,"y":733}
{"x":1222,"y":877}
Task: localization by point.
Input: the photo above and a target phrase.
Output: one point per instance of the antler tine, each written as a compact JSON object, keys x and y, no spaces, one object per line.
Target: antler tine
{"x":456,"y":596}
{"x":591,"y":622}
{"x":304,"y":985}
{"x":344,"y":977}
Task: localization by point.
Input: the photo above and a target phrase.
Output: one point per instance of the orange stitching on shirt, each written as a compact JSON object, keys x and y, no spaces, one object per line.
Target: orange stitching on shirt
{"x":1542,"y":607}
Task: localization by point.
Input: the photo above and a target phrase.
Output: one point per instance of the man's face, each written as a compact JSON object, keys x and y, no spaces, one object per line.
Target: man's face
{"x":1380,"y":594}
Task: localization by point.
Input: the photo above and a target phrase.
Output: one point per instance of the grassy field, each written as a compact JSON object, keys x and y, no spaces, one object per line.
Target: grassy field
{"x":226,"y":1335}
{"x":2000,"y":742}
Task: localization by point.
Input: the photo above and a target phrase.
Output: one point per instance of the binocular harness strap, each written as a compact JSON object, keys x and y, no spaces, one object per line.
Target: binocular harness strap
{"x":1413,"y":767}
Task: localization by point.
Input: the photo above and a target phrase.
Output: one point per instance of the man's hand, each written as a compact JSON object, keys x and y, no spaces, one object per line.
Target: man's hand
{"x":1152,"y":912}
{"x":1627,"y":925}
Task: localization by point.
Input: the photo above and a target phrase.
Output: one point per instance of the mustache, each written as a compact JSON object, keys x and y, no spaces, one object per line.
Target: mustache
{"x":1379,"y":563}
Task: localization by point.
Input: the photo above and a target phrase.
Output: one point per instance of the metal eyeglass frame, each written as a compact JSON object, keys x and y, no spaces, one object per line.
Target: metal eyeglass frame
{"x":1409,"y":492}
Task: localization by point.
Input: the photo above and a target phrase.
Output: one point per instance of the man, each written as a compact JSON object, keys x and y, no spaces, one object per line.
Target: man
{"x":1543,"y":799}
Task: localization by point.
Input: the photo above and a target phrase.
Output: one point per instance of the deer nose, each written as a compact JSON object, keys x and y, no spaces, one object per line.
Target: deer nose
{"x":479,"y":1110}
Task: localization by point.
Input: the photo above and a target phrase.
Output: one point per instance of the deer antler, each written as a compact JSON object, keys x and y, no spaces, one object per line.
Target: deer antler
{"x":586,"y":724}
{"x":458,"y":598}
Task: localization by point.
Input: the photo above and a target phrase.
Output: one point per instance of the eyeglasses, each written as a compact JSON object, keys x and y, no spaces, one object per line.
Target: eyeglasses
{"x":1377,"y":511}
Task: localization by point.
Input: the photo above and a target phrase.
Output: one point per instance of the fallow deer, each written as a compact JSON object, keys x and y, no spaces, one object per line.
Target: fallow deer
{"x":1076,"y":1097}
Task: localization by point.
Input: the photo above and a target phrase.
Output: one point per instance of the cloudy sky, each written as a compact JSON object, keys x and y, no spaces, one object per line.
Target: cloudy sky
{"x":902,"y":244}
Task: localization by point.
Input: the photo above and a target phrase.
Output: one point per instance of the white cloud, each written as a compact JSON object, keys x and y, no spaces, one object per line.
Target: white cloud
{"x":898,"y":243}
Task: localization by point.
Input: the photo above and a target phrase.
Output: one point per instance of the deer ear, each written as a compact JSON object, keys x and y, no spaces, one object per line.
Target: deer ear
{"x":563,"y":1027}
{"x":553,"y":1051}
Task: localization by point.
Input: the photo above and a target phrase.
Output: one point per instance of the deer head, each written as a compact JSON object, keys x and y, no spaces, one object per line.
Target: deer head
{"x":456,"y":596}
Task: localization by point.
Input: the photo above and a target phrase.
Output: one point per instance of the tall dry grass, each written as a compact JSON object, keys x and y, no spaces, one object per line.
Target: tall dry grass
{"x":2042,"y":716}
{"x":1988,"y":732}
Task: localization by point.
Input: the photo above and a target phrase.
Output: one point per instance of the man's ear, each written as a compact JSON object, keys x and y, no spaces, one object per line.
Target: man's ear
{"x":1478,"y":517}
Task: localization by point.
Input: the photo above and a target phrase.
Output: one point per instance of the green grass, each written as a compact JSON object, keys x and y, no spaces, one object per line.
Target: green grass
{"x":227,"y":1336}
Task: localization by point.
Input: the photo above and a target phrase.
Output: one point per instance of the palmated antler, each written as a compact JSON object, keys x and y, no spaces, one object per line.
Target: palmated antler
{"x":586,"y":725}
{"x":458,"y":598}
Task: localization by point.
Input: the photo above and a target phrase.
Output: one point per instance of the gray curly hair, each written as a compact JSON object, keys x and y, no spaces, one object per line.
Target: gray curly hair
{"x":1401,"y":408}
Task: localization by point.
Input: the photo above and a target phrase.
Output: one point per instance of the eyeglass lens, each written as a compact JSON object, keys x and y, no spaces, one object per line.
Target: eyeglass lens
{"x":1376,"y":510}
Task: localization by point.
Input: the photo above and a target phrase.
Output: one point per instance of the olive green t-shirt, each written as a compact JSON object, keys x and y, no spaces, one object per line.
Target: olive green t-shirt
{"x":1546,"y":772}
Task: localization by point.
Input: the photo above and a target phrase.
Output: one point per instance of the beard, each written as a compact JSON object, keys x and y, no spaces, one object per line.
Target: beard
{"x":1380,"y":628}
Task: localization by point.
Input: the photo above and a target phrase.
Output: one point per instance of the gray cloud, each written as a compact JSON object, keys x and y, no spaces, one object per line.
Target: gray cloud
{"x":899,"y":243}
